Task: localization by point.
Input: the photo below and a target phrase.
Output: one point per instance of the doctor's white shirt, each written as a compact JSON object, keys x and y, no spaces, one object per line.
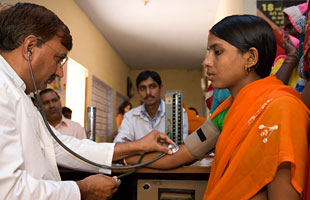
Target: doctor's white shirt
{"x":29,"y":155}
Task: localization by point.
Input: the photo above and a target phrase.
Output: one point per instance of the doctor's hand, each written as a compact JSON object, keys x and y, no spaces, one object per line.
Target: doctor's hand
{"x":98,"y":186}
{"x":155,"y":141}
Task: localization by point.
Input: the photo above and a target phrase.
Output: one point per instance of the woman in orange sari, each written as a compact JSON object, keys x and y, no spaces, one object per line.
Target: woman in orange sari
{"x":262,"y":150}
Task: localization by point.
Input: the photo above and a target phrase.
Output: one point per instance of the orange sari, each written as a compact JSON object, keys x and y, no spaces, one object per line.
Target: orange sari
{"x":267,"y":124}
{"x":194,"y":122}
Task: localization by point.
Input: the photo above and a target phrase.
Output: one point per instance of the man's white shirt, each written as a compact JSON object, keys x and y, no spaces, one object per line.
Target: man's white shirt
{"x":136,"y":124}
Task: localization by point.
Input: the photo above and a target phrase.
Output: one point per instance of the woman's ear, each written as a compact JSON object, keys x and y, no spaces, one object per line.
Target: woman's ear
{"x":252,"y":57}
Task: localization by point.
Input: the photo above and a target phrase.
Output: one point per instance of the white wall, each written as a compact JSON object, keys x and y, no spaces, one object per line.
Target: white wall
{"x":234,"y":7}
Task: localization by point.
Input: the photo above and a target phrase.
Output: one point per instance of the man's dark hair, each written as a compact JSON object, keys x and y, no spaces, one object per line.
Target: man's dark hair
{"x":147,"y":74}
{"x":48,"y":90}
{"x":67,"y":112}
{"x":24,"y":19}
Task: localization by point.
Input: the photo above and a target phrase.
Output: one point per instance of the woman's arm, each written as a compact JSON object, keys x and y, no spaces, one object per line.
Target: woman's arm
{"x":306,"y":95}
{"x":284,"y":73}
{"x":153,"y":141}
{"x":280,"y":187}
{"x":178,"y":159}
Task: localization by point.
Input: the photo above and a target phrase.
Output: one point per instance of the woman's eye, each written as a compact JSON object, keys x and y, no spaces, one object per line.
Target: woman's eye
{"x":218,"y":52}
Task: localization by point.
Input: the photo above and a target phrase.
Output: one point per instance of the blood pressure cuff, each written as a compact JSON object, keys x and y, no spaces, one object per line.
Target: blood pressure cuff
{"x":202,"y":140}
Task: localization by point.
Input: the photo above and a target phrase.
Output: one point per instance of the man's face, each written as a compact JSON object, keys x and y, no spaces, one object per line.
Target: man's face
{"x":149,"y":92}
{"x":47,"y":62}
{"x":52,"y":106}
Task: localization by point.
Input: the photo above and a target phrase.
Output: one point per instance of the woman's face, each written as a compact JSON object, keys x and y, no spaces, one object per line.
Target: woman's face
{"x":225,"y":65}
{"x":289,"y":28}
{"x":127,"y":108}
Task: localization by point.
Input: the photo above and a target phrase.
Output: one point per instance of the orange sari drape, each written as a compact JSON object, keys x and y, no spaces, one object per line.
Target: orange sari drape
{"x":119,"y":119}
{"x":266,"y":125}
{"x":194,"y":122}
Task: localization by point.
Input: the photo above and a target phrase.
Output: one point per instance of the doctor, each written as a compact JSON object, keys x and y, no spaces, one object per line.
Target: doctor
{"x":34,"y":38}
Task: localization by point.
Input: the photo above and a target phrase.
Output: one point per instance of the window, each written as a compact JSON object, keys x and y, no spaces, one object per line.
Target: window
{"x":102,"y":99}
{"x":75,"y":90}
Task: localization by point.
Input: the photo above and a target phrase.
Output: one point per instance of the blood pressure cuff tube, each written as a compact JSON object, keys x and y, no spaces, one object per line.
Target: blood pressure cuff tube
{"x":202,"y":140}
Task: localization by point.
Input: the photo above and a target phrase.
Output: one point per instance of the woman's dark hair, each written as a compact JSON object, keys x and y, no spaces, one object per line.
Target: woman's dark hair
{"x":246,"y":31}
{"x":24,"y":19}
{"x":147,"y":74}
{"x":121,"y":108}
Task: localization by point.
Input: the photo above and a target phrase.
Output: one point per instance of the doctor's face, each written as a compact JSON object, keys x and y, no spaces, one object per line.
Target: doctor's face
{"x":48,"y":60}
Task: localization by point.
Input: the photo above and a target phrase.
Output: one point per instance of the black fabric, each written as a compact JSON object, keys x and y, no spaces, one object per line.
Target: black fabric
{"x":201,"y":135}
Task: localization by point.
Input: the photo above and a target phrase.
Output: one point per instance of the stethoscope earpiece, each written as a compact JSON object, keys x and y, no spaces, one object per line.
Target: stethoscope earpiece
{"x":29,"y":51}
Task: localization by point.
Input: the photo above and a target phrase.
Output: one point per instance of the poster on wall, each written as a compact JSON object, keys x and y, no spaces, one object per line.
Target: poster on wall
{"x":272,"y":9}
{"x":272,"y":12}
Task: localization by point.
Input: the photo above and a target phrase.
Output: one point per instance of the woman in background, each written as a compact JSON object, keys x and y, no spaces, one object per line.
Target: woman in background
{"x":286,"y":66}
{"x":122,"y":109}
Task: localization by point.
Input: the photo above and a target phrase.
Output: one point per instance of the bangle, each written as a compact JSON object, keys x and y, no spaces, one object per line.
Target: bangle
{"x":124,"y":162}
{"x":289,"y":62}
{"x":290,"y":59}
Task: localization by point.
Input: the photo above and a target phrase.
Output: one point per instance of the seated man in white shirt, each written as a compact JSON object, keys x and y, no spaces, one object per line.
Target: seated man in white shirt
{"x":53,"y":110}
{"x":150,"y":115}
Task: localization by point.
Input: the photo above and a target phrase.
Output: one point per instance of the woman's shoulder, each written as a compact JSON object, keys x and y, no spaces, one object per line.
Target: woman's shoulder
{"x":288,"y":105}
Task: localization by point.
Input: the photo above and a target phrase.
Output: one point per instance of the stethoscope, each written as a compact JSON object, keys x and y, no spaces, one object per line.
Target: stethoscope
{"x":36,"y":95}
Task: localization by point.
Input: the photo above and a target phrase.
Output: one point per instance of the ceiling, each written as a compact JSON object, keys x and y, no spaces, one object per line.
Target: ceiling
{"x":154,"y":33}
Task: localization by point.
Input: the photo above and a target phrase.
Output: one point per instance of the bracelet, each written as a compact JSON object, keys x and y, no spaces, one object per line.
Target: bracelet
{"x":124,"y":162}
{"x":295,"y":54}
{"x":290,"y":59}
{"x":289,"y":62}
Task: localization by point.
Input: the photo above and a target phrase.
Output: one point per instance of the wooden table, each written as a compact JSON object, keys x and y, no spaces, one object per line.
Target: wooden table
{"x":199,"y":171}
